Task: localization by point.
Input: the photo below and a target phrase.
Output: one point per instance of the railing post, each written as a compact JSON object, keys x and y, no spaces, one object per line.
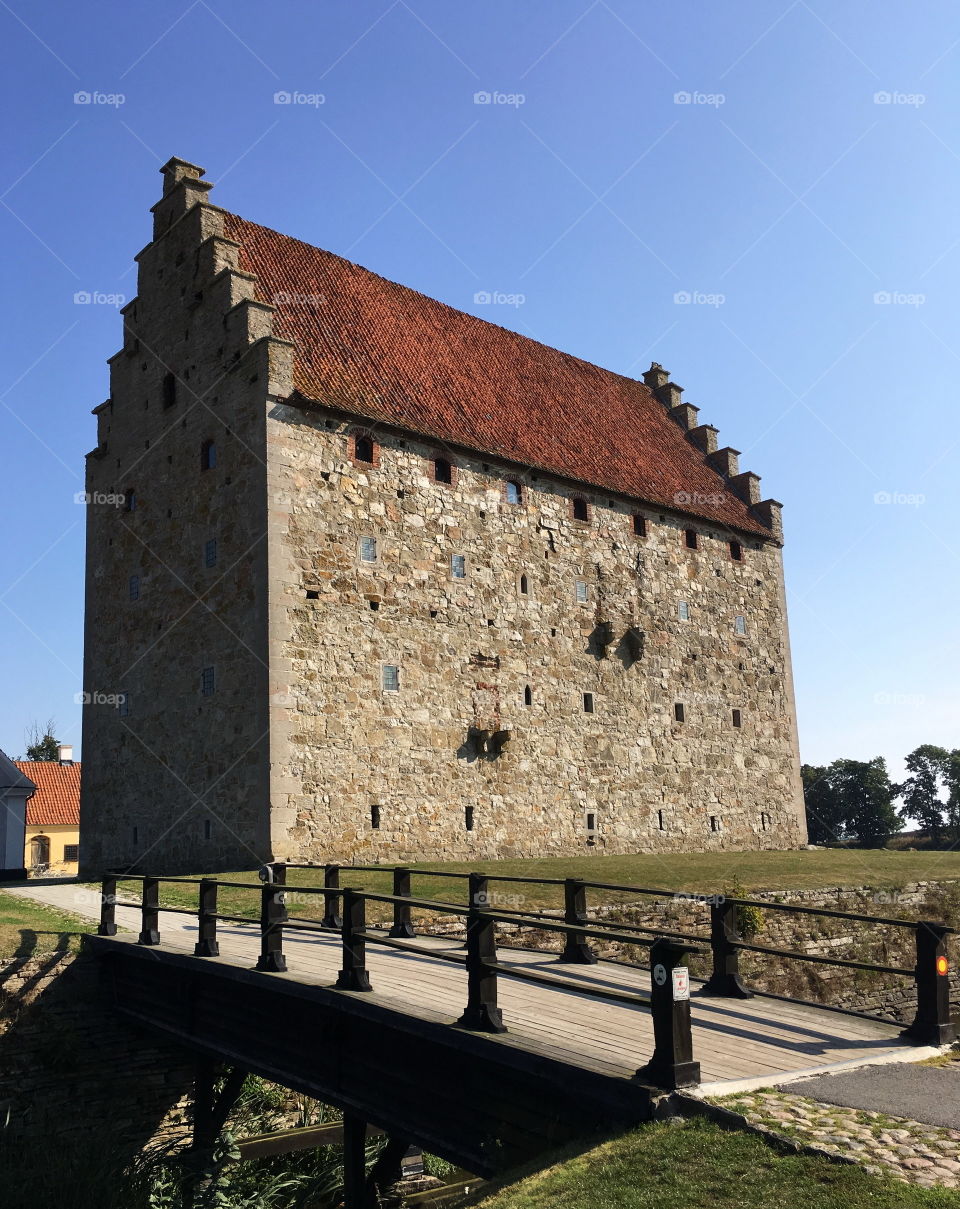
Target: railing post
{"x":576,"y":948}
{"x":354,"y":976}
{"x":672,"y":1065}
{"x":724,"y":932}
{"x":280,"y":873}
{"x":331,"y":902}
{"x":482,"y":1014}
{"x":108,"y":907}
{"x":402,"y":922}
{"x":273,"y":914}
{"x":931,"y":1025}
{"x":150,"y":912}
{"x":207,"y":945}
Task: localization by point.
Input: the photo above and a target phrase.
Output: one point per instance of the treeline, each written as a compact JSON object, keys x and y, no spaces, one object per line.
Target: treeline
{"x":855,"y":800}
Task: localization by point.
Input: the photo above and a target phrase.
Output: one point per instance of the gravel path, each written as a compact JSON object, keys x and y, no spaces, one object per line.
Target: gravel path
{"x":910,"y":1150}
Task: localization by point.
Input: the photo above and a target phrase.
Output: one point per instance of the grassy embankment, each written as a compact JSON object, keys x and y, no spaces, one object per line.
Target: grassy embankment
{"x":29,"y":928}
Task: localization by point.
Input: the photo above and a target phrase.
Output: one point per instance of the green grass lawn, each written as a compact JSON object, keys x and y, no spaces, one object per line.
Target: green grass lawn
{"x":702,"y":872}
{"x":28,"y":927}
{"x":699,"y":1166}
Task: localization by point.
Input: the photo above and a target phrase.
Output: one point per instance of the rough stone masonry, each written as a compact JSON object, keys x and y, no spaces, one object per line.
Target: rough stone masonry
{"x":369,"y":578}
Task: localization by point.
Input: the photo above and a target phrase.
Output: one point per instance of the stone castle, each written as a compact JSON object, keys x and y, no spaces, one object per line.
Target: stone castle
{"x":370,"y":578}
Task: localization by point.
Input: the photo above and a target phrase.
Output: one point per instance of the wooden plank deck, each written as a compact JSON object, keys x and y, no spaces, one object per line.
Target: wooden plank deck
{"x":737,"y":1042}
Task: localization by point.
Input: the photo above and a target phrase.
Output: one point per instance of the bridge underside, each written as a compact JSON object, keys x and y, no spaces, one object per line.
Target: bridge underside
{"x":485,"y":1103}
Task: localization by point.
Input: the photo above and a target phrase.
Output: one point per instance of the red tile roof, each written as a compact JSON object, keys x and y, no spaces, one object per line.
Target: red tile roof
{"x":57,"y":800}
{"x":385,"y":352}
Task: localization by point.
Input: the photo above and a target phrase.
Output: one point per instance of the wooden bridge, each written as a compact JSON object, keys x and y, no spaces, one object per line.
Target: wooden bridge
{"x":483,"y":1054}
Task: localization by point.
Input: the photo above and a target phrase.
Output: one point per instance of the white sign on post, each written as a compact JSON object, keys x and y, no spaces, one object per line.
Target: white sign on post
{"x":681,"y":983}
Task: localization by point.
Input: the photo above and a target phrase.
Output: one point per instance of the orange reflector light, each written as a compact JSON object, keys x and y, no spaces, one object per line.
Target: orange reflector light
{"x":942,"y":965}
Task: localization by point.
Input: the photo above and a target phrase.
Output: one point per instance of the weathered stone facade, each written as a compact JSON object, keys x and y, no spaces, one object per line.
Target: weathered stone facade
{"x":528,"y":720}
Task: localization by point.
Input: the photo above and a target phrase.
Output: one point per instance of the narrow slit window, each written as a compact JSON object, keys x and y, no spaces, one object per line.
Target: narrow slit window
{"x":581,"y":591}
{"x":123,"y":704}
{"x":679,"y":712}
{"x":207,"y":829}
{"x":514,"y":492}
{"x":588,"y":703}
{"x":375,"y":817}
{"x":368,"y":549}
{"x":442,"y":470}
{"x":169,"y":390}
{"x":458,"y":566}
{"x":136,"y":836}
{"x":208,"y":681}
{"x":581,"y":511}
{"x":714,"y":822}
{"x":391,"y":678}
{"x":468,"y":817}
{"x":363,"y":449}
{"x":737,"y":718}
{"x":691,"y":539}
{"x":208,"y":455}
{"x":736,"y":552}
{"x":764,"y":820}
{"x":639,"y":525}
{"x":660,"y":826}
{"x":683,"y":610}
{"x":591,"y":821}
{"x":210,"y":553}
{"x":740,"y":625}
{"x":527,"y":695}
{"x":524,"y":586}
{"x":130,"y":501}
{"x":134,"y":587}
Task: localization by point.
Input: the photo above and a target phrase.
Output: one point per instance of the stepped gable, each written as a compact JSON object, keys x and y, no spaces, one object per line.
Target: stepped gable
{"x":388,"y":353}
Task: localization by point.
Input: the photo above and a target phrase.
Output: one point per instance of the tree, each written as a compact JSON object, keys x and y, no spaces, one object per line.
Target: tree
{"x":41,"y":744}
{"x":925,"y":789}
{"x":866,"y":796}
{"x":825,"y":824}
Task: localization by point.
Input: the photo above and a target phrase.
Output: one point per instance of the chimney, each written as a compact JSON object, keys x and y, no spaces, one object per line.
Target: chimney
{"x":656,"y":376}
{"x":66,"y":753}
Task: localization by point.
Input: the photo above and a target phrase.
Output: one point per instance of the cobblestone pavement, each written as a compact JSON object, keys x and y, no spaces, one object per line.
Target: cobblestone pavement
{"x":919,"y":1154}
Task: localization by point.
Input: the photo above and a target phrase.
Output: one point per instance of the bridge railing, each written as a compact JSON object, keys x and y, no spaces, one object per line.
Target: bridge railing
{"x":672,"y":1064}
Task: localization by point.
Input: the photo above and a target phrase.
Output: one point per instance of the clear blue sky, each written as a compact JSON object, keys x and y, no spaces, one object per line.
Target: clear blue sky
{"x":783,"y":198}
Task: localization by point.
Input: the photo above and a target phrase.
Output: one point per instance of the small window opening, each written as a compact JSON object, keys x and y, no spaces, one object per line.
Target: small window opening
{"x":764,"y":820}
{"x":683,"y":610}
{"x":581,"y":591}
{"x":514,"y":492}
{"x":591,"y":821}
{"x":312,"y":594}
{"x":736,"y":552}
{"x":134,"y":587}
{"x":136,"y":835}
{"x":207,"y":682}
{"x":740,"y":625}
{"x":442,"y":470}
{"x":391,"y":678}
{"x":375,"y":817}
{"x":679,"y":712}
{"x":580,"y":510}
{"x":714,"y":822}
{"x":692,"y":539}
{"x":640,"y":525}
{"x":524,"y":586}
{"x":123,"y":705}
{"x":210,"y":553}
{"x":130,"y":501}
{"x":737,"y":718}
{"x":374,"y":605}
{"x":527,"y":695}
{"x":363,"y":449}
{"x":458,"y":566}
{"x":468,"y":817}
{"x":208,"y":455}
{"x":207,"y":829}
{"x":588,"y":703}
{"x":660,"y":820}
{"x":169,"y":390}
{"x":368,"y":549}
